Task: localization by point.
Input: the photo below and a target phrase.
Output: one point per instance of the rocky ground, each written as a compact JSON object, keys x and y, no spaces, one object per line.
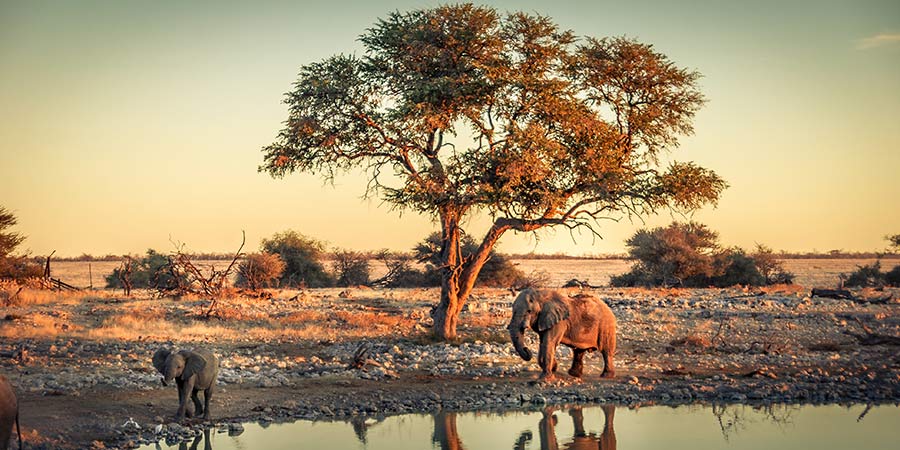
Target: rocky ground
{"x":82,"y":363}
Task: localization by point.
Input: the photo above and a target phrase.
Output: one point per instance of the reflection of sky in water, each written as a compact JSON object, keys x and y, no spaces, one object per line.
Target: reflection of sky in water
{"x":687,"y":427}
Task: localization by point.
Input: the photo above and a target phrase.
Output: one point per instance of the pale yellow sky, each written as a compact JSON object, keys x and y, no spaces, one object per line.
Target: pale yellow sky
{"x":124,"y":124}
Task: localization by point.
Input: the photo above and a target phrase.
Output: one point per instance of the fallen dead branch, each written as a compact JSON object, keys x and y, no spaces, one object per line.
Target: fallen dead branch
{"x":837,"y":294}
{"x":844,"y":294}
{"x":361,"y":357}
{"x":574,"y":282}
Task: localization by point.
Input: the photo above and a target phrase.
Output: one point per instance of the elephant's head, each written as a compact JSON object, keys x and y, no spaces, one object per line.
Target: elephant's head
{"x":172,"y":365}
{"x":539,"y":310}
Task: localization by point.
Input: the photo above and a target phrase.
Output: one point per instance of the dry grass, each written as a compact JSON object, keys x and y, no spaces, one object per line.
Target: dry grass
{"x":692,"y":340}
{"x":33,"y":326}
{"x":15,"y":295}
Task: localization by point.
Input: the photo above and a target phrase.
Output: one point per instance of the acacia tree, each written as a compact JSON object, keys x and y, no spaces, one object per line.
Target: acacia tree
{"x":459,"y":110}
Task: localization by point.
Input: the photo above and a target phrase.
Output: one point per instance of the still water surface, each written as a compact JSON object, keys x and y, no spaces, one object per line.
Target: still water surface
{"x":695,"y":427}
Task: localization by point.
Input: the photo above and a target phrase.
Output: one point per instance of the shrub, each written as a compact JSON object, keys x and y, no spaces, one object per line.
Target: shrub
{"x":681,"y":254}
{"x":147,"y":272}
{"x":498,"y":271}
{"x":350,"y":268}
{"x":14,"y":267}
{"x":737,"y":268}
{"x":401,"y":272}
{"x":866,"y":276}
{"x":302,"y":259}
{"x":688,"y":255}
{"x":892,"y":278}
{"x":259,"y":270}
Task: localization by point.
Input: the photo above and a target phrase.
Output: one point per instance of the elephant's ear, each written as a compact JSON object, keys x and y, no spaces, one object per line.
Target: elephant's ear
{"x":193,"y":364}
{"x":159,"y":359}
{"x":552,"y":313}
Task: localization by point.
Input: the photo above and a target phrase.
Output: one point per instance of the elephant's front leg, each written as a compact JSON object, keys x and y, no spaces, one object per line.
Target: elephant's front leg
{"x":184,"y":392}
{"x":547,"y":352}
{"x":206,"y":395}
{"x":577,"y":362}
{"x":198,"y":407}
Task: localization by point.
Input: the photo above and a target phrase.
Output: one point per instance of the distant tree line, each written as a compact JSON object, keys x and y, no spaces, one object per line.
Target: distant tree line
{"x":290,"y":259}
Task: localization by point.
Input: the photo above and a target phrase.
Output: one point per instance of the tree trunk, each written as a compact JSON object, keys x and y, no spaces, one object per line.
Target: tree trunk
{"x":458,"y":274}
{"x":446,"y":315}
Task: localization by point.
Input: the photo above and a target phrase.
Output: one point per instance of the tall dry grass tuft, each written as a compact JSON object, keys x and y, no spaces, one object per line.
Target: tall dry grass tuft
{"x":33,"y":326}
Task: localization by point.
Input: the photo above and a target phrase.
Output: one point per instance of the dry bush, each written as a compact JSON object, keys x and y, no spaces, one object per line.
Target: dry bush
{"x":260,"y":270}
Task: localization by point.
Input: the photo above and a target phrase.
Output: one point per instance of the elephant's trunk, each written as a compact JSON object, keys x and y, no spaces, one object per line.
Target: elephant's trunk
{"x":517,"y":334}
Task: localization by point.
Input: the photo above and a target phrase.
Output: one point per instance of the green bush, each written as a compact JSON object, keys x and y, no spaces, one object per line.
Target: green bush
{"x":147,"y":272}
{"x":498,"y":271}
{"x":350,"y":268}
{"x":868,"y":275}
{"x":892,"y":278}
{"x":11,"y":266}
{"x":688,"y":255}
{"x":302,"y":258}
{"x":681,"y":254}
{"x":259,"y":271}
{"x":737,"y":268}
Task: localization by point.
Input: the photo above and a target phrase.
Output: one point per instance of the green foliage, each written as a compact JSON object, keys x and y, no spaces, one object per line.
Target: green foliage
{"x":8,"y":240}
{"x":302,"y":257}
{"x":11,"y":266}
{"x":736,"y":267}
{"x":867,"y":275}
{"x":498,"y":271}
{"x":894,"y":242}
{"x":682,"y":254}
{"x":892,"y":277}
{"x":688,"y":254}
{"x":350,"y":268}
{"x":147,"y":272}
{"x":259,"y":270}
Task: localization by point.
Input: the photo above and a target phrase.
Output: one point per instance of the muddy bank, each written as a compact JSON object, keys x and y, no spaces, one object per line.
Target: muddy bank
{"x":79,"y":384}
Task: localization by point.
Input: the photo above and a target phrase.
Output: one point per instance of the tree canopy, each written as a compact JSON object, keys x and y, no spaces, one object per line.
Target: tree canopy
{"x":8,"y":240}
{"x":460,"y":109}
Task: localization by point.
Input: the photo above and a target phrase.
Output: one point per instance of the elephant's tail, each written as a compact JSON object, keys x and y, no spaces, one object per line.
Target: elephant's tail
{"x":19,"y":431}
{"x":607,"y":337}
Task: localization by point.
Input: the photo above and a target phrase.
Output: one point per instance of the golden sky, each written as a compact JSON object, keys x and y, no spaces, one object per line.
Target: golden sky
{"x":125,"y":124}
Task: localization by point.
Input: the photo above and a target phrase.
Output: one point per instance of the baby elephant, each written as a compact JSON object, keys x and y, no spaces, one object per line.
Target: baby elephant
{"x":584,"y":322}
{"x":9,"y":414}
{"x":193,"y":371}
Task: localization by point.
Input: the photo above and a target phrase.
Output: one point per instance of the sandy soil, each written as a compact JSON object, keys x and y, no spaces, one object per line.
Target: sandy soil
{"x":81,"y":362}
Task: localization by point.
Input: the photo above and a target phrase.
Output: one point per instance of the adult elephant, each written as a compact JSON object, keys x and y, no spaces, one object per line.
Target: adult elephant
{"x":584,"y":322}
{"x":9,"y":414}
{"x":193,"y":371}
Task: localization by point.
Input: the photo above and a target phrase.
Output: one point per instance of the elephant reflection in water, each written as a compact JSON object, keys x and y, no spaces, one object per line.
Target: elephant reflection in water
{"x":183,"y":445}
{"x":445,"y":433}
{"x":581,"y":440}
